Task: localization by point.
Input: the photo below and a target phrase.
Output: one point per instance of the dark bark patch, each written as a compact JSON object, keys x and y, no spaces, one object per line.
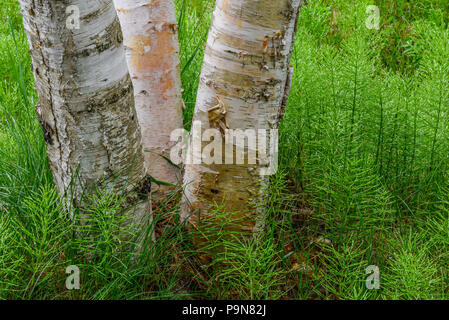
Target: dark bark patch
{"x":48,"y":131}
{"x":144,"y":188}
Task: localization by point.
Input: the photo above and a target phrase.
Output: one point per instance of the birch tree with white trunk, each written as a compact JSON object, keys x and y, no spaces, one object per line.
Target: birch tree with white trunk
{"x":86,"y":103}
{"x":247,"y":76}
{"x":150,"y":34}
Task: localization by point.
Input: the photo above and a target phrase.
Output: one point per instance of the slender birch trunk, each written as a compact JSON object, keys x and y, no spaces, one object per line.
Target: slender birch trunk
{"x":247,"y":76}
{"x":86,"y":103}
{"x":150,"y":34}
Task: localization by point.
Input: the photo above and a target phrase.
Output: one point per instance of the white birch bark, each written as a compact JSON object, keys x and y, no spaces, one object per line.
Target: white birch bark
{"x":150,"y":34}
{"x":86,"y":103}
{"x":247,"y":70}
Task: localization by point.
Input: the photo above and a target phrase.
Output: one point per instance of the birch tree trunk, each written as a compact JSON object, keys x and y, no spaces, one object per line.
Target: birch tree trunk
{"x":86,"y":103}
{"x":150,"y":34}
{"x":247,"y":75}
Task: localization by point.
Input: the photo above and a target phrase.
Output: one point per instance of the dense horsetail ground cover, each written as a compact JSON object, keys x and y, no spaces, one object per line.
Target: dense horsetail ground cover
{"x":363,"y":178}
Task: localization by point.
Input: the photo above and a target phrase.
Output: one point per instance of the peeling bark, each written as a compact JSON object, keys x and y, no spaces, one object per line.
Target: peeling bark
{"x":151,"y":41}
{"x":86,"y":103}
{"x":247,"y":69}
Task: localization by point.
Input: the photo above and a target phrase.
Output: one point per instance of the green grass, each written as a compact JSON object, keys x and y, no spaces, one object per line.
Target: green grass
{"x":363,"y":177}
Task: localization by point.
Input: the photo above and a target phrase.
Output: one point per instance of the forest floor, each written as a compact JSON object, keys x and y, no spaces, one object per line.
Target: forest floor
{"x":362,"y":184}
